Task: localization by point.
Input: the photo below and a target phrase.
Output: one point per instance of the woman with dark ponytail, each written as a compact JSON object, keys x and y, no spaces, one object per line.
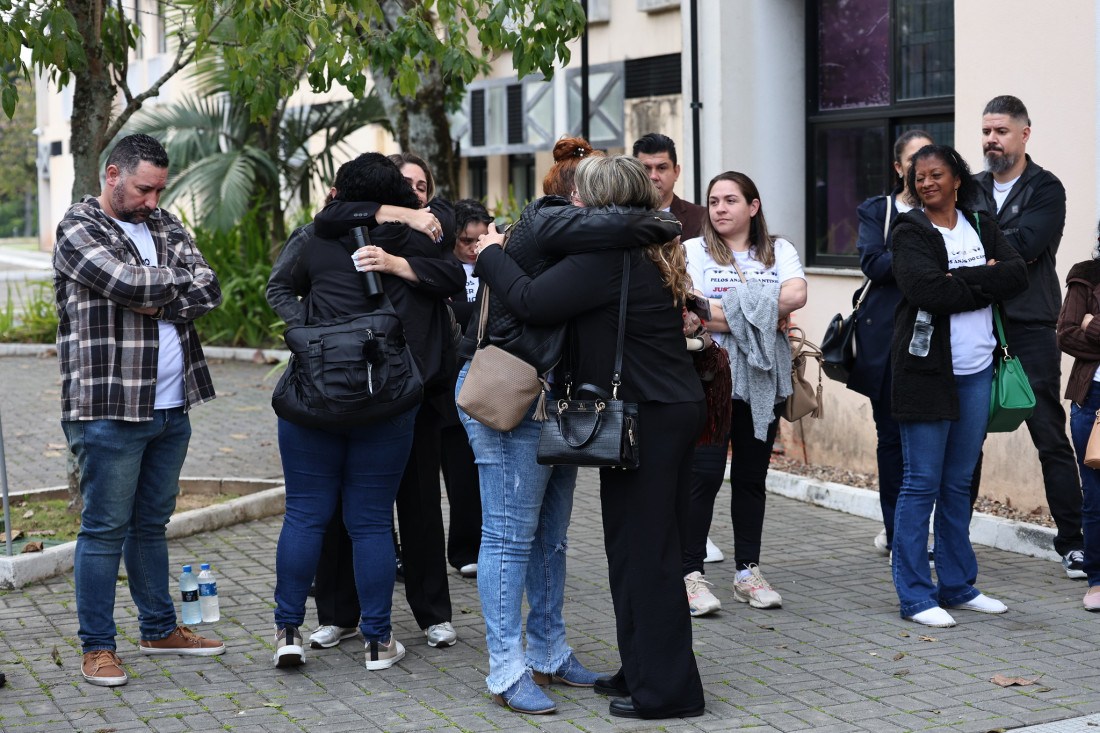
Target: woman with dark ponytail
{"x":951,"y":265}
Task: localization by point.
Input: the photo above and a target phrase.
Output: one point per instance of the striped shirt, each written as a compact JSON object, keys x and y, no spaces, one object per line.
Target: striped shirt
{"x":108,"y":352}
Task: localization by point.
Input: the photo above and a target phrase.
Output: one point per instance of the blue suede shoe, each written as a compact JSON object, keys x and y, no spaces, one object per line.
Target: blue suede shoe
{"x":572,"y":673}
{"x":525,"y":697}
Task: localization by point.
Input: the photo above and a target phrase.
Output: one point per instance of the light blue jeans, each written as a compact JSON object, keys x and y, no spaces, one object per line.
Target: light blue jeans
{"x":129,"y":478}
{"x":525,"y":510}
{"x":939,"y":458}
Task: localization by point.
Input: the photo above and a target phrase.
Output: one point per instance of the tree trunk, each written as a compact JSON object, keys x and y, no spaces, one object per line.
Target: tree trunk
{"x":420,"y":123}
{"x":93,"y":98}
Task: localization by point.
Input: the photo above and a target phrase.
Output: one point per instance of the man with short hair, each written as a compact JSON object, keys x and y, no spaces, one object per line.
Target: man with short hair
{"x":129,"y":283}
{"x":1030,"y":203}
{"x":657,"y":153}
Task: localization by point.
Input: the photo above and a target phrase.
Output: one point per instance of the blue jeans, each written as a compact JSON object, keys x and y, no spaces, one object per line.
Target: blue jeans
{"x":1081,"y":419}
{"x":360,"y":468}
{"x":939,"y":458}
{"x":129,"y":478}
{"x":525,"y":510}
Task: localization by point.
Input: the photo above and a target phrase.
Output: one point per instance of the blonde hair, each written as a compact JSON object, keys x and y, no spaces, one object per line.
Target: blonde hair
{"x":761,"y":243}
{"x":621,"y":180}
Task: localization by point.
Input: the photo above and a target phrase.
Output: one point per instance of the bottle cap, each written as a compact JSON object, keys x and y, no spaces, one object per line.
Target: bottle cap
{"x":204,"y":566}
{"x":186,"y":568}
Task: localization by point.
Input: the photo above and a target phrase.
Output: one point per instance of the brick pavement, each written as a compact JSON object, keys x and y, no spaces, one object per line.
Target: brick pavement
{"x":835,"y":658}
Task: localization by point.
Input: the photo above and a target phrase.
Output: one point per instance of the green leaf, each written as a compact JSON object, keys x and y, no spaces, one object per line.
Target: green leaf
{"x":8,"y":98}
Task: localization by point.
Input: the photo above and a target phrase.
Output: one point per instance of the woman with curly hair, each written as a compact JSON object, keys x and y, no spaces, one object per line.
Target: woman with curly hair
{"x":643,"y":510}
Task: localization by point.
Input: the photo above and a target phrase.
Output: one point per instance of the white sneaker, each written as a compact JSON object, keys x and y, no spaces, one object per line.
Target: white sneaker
{"x":383,"y":656}
{"x":934,"y":616}
{"x":469,"y":570}
{"x":441,"y":634}
{"x":750,"y":587}
{"x":700,"y":600}
{"x":982,"y":604}
{"x":880,"y":543}
{"x":326,"y":637}
{"x":713,"y":553}
{"x":288,"y":648}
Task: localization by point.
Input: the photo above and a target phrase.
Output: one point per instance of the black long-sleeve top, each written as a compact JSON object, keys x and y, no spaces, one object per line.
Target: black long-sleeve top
{"x":586,"y":288}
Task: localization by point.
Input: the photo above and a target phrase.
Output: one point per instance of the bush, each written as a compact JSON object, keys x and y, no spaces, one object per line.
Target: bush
{"x":242,"y":262}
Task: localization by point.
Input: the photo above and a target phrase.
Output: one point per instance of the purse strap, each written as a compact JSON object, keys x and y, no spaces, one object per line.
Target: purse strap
{"x":617,"y":375}
{"x":885,"y":234}
{"x":998,"y":326}
{"x":738,"y":268}
{"x":484,"y":313}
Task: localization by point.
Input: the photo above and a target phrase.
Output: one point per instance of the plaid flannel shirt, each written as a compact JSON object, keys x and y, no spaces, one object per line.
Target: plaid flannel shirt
{"x":108,"y":352}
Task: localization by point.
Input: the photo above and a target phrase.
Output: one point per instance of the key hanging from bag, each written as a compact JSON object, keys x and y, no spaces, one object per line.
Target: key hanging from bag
{"x":1092,"y":450}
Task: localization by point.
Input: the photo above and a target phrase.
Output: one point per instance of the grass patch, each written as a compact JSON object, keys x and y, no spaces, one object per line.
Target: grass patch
{"x":51,"y":522}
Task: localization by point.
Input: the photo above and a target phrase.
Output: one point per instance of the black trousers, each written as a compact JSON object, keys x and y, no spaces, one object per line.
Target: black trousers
{"x":336,"y":597}
{"x":420,"y":518}
{"x":748,"y":473}
{"x":644,"y":515}
{"x":1037,"y":349}
{"x":463,"y":494}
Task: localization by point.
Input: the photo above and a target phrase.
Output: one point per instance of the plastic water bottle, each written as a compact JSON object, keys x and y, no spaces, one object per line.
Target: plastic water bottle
{"x":208,"y":594}
{"x":189,"y":595}
{"x":922,"y":334}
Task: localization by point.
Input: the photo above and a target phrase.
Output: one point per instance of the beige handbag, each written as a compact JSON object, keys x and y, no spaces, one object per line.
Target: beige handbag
{"x":804,"y":399}
{"x":1092,"y":450}
{"x":499,"y":387}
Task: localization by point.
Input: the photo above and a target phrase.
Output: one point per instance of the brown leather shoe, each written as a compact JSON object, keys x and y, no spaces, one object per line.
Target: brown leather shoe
{"x":183,"y":641}
{"x":103,"y":668}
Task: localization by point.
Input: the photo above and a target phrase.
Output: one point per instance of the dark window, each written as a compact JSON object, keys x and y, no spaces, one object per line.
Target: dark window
{"x":515,"y":115}
{"x":652,"y":76}
{"x":521,"y":177}
{"x":478,"y":173}
{"x":882,"y":67}
{"x":56,"y":147}
{"x":477,"y":117}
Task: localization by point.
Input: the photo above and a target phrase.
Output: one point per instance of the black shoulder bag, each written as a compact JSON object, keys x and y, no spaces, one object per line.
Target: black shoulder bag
{"x":350,"y":371}
{"x":599,"y":432}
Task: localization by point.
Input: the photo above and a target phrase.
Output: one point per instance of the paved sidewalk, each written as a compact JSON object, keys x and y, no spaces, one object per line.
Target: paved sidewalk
{"x":836,"y":657}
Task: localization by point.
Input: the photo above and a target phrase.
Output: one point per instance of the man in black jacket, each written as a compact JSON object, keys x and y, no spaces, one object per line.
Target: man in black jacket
{"x":1031,"y":208}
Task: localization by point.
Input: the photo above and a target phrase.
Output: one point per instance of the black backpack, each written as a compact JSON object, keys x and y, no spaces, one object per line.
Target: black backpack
{"x":349,"y":372}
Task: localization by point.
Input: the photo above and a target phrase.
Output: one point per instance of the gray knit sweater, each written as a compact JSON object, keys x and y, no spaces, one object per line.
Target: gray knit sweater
{"x":760,"y":356}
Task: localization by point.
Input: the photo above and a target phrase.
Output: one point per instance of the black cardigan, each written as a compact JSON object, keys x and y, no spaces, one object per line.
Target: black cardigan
{"x":924,"y":387}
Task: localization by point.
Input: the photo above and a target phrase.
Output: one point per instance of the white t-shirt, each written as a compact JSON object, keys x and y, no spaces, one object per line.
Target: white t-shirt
{"x":471,"y":282}
{"x":170,"y":353}
{"x":972,"y":339}
{"x":1001,"y":191}
{"x":712,"y":279}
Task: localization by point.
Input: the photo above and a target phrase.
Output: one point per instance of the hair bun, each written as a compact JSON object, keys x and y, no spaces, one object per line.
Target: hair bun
{"x":571,"y":147}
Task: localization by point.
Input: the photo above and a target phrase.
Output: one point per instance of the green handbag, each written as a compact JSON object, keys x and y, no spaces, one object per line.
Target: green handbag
{"x":1011,"y":400}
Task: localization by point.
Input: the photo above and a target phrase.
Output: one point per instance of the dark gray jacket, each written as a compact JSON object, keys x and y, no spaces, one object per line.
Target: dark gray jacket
{"x":1032,"y":220}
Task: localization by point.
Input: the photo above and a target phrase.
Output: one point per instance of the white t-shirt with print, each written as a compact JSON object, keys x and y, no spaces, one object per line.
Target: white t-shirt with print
{"x":972,"y":339}
{"x":471,"y":282}
{"x":170,"y":353}
{"x":712,"y":279}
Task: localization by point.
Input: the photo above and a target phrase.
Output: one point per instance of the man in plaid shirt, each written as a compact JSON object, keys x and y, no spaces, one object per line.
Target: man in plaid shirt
{"x":129,"y":282}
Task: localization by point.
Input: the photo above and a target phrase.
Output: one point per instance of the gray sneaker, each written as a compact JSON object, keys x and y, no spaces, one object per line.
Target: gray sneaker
{"x":383,"y":655}
{"x":326,"y":637}
{"x":441,"y":634}
{"x":288,"y":648}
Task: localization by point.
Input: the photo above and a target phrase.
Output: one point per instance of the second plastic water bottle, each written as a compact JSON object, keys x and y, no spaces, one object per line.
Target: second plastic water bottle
{"x":189,"y":596}
{"x":208,"y":594}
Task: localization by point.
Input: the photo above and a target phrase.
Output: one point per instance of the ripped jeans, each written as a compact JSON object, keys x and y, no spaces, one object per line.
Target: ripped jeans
{"x":525,"y":510}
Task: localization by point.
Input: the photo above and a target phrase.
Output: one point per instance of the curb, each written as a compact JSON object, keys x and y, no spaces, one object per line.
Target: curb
{"x":985,"y":529}
{"x":20,"y":570}
{"x":226,"y":353}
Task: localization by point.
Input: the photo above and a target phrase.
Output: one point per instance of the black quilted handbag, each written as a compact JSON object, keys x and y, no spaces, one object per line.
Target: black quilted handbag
{"x":598,"y":432}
